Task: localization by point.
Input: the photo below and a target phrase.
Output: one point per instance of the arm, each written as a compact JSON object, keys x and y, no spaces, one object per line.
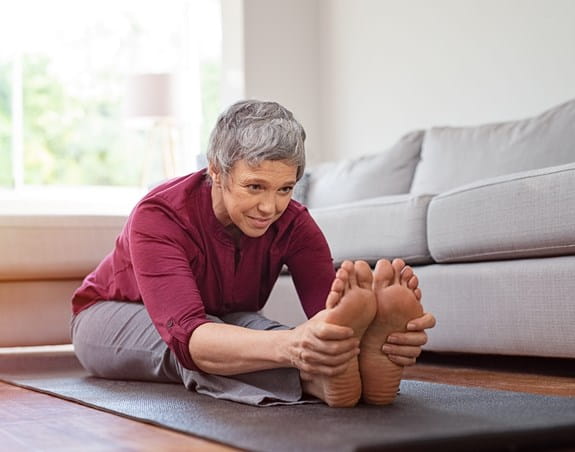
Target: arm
{"x":160,"y":253}
{"x":315,"y":347}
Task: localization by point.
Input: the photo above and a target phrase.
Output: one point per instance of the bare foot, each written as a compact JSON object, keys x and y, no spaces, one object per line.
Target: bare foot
{"x":398,"y":302}
{"x":351,"y":302}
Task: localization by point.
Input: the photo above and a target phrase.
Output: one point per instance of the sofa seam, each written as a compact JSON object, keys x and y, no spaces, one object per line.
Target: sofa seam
{"x":495,"y":253}
{"x":507,"y":181}
{"x":351,"y":205}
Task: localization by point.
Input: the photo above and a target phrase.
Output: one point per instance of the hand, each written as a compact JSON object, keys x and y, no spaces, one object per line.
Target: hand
{"x":404,"y":348}
{"x":322,"y":348}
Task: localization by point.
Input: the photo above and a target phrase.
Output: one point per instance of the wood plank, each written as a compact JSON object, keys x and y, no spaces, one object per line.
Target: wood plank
{"x":33,"y":421}
{"x":506,"y":381}
{"x":547,"y":376}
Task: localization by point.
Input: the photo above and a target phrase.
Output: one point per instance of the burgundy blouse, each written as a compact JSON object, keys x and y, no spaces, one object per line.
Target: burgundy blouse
{"x":177,"y":258}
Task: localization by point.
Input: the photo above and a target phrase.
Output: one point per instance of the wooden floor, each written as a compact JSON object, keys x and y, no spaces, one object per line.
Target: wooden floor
{"x":30,"y":421}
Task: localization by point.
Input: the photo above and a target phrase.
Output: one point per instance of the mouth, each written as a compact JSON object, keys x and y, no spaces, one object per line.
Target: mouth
{"x":261,"y":223}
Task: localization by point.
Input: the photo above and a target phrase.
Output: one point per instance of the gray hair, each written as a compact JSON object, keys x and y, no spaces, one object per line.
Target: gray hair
{"x":255,"y":131}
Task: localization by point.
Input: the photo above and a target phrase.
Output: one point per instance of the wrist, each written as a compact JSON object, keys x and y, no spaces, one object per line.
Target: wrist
{"x":286,"y":349}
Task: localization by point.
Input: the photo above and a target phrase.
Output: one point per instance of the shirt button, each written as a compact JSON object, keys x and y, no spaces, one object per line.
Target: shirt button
{"x":170,"y":323}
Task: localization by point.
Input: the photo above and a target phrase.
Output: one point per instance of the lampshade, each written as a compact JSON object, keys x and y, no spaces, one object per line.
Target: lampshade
{"x":150,"y":96}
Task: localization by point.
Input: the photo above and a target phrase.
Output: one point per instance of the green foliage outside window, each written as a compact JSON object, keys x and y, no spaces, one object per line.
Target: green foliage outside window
{"x":72,"y":139}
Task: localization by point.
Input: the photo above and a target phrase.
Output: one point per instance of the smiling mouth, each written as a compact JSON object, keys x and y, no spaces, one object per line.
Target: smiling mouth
{"x":261,"y":222}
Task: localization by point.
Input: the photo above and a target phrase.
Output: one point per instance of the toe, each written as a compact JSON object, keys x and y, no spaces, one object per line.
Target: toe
{"x":413,"y":282}
{"x":398,"y":266}
{"x":363,"y":274}
{"x":332,"y":300}
{"x":406,"y":275}
{"x":340,"y":281}
{"x":337,"y":290}
{"x":352,"y":277}
{"x":417,"y":293}
{"x":383,"y":274}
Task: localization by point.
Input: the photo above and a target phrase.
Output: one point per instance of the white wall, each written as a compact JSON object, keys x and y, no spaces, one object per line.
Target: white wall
{"x":390,"y":66}
{"x":360,"y":73}
{"x":281,"y":45}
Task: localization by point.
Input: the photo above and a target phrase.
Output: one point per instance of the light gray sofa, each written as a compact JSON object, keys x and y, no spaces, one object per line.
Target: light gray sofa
{"x":485,"y":214}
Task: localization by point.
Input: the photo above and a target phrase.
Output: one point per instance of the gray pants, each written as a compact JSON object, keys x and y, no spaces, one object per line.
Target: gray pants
{"x":118,"y":340}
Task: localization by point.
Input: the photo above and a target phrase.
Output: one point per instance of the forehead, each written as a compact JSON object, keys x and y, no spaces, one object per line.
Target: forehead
{"x":271,"y":171}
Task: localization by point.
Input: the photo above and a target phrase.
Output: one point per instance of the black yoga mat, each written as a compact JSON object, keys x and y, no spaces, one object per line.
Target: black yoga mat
{"x":425,"y":416}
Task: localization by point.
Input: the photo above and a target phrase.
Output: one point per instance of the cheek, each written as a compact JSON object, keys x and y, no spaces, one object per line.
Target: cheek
{"x":283,"y":203}
{"x":236,"y":204}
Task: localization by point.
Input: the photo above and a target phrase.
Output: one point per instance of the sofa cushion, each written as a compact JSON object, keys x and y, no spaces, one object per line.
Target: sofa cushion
{"x":54,"y":246}
{"x":385,"y":227}
{"x":454,"y":156}
{"x":386,"y":173}
{"x":513,"y":307}
{"x":526,"y":214}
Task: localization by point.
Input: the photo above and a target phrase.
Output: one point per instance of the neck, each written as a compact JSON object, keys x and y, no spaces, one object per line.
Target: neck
{"x":218,"y":206}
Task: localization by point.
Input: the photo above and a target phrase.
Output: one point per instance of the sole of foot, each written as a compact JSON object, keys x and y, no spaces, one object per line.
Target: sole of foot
{"x":351,"y":303}
{"x":398,"y":301}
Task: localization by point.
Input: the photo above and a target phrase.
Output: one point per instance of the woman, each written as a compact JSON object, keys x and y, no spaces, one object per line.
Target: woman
{"x":178,"y":297}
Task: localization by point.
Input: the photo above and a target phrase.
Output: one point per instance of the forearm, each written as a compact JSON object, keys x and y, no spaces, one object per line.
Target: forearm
{"x":224,"y":349}
{"x":315,"y":347}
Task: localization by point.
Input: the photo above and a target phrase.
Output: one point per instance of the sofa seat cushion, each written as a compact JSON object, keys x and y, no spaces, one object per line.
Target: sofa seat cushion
{"x":54,"y":246}
{"x":384,"y":227}
{"x":528,"y":214}
{"x":389,"y":172}
{"x":454,"y":156}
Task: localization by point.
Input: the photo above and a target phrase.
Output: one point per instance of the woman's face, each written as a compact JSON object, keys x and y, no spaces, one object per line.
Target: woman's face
{"x":252,"y":198}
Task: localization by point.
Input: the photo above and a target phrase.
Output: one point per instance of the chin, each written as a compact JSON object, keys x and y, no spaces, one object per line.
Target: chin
{"x":254,"y":233}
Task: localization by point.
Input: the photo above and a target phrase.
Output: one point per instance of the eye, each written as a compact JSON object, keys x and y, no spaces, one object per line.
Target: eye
{"x":254,"y":187}
{"x":286,"y":190}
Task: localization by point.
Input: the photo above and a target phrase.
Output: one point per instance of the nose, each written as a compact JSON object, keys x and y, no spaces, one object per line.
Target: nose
{"x":267,"y":204}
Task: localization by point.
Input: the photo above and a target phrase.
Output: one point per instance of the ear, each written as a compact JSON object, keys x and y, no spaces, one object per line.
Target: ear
{"x":215,"y":174}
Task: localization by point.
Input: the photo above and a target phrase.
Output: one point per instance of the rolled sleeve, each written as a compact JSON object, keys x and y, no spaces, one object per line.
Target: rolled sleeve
{"x":177,"y":337}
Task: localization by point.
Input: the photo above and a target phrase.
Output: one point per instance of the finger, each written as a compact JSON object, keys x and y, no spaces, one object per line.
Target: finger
{"x":401,"y":360}
{"x":330,"y":348}
{"x":406,"y":351}
{"x":330,"y":332}
{"x":327,"y":371}
{"x":314,"y":358}
{"x":417,"y":338}
{"x":424,"y":322}
{"x":334,"y":348}
{"x":326,"y":349}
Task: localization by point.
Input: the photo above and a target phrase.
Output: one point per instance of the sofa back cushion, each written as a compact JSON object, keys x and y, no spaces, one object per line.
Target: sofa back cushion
{"x":386,"y":173}
{"x":453,"y":156}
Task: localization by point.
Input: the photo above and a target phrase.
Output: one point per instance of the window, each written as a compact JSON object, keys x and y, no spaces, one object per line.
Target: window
{"x":65,"y":71}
